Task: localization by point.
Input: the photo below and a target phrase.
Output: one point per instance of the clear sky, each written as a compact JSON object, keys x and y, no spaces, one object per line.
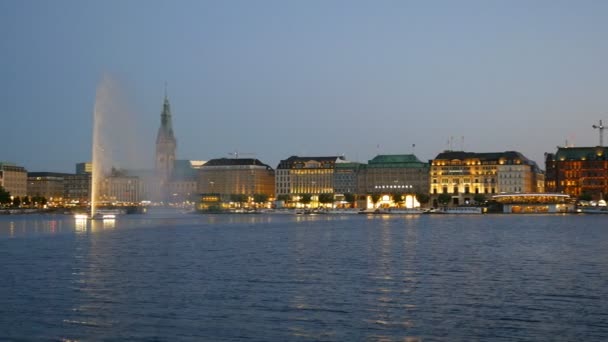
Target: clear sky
{"x":281,"y":78}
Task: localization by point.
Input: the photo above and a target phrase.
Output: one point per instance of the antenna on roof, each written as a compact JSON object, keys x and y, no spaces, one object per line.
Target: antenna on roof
{"x":600,"y":127}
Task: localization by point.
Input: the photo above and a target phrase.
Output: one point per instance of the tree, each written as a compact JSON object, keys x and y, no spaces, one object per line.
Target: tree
{"x":350,"y":199}
{"x":375,"y":199}
{"x":260,"y":198}
{"x":305,"y":199}
{"x":16,"y":202}
{"x":238,"y":198}
{"x":397,"y":198}
{"x":26,"y":201}
{"x":479,"y":198}
{"x":284,"y":198}
{"x":326,"y":198}
{"x":444,"y":199}
{"x":5,"y":196}
{"x":423,"y":199}
{"x":585,"y":196}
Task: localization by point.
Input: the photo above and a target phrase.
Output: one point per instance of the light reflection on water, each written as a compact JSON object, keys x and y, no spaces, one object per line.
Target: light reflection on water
{"x":277,"y":278}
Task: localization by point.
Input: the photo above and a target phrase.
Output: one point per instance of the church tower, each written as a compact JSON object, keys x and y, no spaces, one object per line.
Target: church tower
{"x":165,"y":146}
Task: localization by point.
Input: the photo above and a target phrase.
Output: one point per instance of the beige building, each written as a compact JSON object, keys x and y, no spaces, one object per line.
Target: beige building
{"x":462,"y":175}
{"x":242,"y":176}
{"x":121,"y":189}
{"x":13,"y":179}
{"x":306,"y":175}
{"x":49,"y":185}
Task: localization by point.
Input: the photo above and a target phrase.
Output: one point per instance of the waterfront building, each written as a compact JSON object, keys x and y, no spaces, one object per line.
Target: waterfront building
{"x":49,"y":185}
{"x":297,"y":176}
{"x":232,"y":176}
{"x":120,"y":188}
{"x":345,"y":177}
{"x":13,"y":179}
{"x":578,"y":171}
{"x":77,"y":189}
{"x":387,"y":176}
{"x":462,"y":175}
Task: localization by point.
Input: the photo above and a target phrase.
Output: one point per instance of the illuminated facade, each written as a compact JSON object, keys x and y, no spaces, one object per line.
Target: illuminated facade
{"x":242,"y":176}
{"x":49,"y":185}
{"x":577,"y":171}
{"x":13,"y":179}
{"x":525,"y":203}
{"x":401,"y":173}
{"x":464,"y":174}
{"x":306,"y":175}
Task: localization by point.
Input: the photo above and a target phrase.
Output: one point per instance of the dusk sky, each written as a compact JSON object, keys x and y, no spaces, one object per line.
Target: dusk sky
{"x":282,"y":78}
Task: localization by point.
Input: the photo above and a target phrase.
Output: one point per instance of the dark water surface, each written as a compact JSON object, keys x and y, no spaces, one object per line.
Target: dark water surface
{"x":305,"y":278}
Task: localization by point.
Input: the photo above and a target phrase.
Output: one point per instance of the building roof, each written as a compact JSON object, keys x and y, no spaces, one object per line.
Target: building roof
{"x":348,"y":165}
{"x":234,"y":162}
{"x":483,"y":156}
{"x":396,"y":161}
{"x":48,"y":174}
{"x":326,"y":161}
{"x":581,"y":153}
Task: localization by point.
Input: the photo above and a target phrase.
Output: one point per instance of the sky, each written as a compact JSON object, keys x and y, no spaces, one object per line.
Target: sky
{"x":271,"y":79}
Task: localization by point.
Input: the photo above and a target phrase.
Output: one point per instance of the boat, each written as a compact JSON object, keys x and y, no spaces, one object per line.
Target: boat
{"x":592,"y":210}
{"x":107,"y":214}
{"x":457,"y":210}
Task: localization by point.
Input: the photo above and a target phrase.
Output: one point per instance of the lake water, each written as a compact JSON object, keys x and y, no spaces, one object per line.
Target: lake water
{"x":305,"y":278}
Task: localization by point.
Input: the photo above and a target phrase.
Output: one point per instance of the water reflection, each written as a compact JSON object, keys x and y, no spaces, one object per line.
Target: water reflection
{"x":80,"y":225}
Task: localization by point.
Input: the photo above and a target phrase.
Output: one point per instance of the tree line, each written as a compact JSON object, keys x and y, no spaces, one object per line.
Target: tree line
{"x":6,"y":200}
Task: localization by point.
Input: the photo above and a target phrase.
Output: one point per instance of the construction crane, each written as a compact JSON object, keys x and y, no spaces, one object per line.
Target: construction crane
{"x":236,"y":154}
{"x":600,"y":127}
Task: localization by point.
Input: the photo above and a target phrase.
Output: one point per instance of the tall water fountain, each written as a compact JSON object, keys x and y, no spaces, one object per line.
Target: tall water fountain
{"x":115,"y":140}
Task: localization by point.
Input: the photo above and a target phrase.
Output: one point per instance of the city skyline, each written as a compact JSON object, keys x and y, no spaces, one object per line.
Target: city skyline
{"x":279,"y":79}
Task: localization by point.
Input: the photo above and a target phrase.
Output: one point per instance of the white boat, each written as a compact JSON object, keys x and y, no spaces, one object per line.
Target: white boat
{"x":457,"y":210}
{"x":592,"y":210}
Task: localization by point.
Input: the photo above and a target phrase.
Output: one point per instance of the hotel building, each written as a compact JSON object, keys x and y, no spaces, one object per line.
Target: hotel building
{"x":464,"y":174}
{"x":306,"y":175}
{"x":242,"y":176}
{"x":386,"y":175}
{"x":578,"y":170}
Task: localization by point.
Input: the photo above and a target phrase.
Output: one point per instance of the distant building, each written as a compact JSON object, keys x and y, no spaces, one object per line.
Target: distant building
{"x":242,"y":176}
{"x":77,"y":189}
{"x":166,"y":146}
{"x":577,"y":171}
{"x":464,"y":174}
{"x":49,"y":185}
{"x":345,"y":177}
{"x":306,"y":175}
{"x":13,"y":179}
{"x":403,"y":173}
{"x":84,"y":168}
{"x":388,"y":175}
{"x":121,"y":188}
{"x":183,"y":184}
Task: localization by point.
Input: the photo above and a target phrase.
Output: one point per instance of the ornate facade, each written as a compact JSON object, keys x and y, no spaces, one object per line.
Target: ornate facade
{"x":578,"y":171}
